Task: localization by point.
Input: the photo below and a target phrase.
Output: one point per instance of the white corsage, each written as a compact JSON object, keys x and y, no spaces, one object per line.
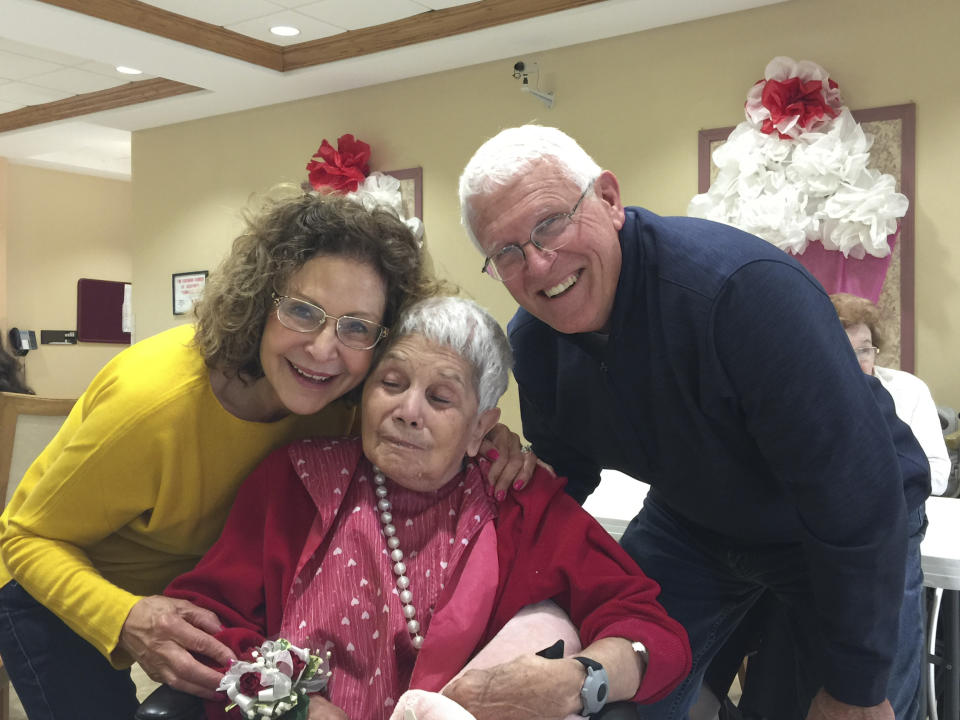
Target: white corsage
{"x":276,"y":681}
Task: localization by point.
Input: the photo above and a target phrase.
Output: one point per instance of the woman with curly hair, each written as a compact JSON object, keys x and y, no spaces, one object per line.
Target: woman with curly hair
{"x":139,"y":481}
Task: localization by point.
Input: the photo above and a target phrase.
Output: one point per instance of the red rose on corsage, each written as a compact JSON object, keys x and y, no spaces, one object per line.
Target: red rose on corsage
{"x":298,"y":666}
{"x":795,"y":98}
{"x":265,"y":688}
{"x":249,"y":683}
{"x":342,"y":169}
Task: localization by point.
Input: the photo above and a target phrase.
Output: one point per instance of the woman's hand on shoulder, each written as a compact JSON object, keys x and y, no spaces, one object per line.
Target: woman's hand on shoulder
{"x":526,"y":688}
{"x":511,"y":462}
{"x":163,"y":634}
{"x":322,"y":709}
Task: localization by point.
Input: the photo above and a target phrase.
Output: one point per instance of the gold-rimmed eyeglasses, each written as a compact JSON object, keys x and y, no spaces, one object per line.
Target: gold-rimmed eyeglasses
{"x":304,"y":317}
{"x":547,"y":235}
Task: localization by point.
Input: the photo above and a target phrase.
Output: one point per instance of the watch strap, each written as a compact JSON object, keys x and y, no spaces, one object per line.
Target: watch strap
{"x":596,"y":686}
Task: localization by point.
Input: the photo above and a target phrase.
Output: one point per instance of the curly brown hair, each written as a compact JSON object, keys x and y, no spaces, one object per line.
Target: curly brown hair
{"x":854,"y":310}
{"x":278,"y":241}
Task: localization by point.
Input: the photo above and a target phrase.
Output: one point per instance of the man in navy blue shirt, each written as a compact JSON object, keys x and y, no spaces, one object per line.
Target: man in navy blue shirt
{"x":710,"y":364}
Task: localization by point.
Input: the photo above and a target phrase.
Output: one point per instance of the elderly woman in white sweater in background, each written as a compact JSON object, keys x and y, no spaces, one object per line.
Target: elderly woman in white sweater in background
{"x":911,"y":396}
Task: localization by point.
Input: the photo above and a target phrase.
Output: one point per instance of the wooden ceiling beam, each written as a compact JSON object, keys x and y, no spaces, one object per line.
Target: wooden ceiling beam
{"x":129,"y":94}
{"x":423,"y":27}
{"x":426,"y":26}
{"x":154,"y":20}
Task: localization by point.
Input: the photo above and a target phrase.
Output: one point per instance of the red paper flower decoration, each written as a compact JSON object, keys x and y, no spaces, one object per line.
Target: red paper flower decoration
{"x":795,"y":98}
{"x":342,"y":169}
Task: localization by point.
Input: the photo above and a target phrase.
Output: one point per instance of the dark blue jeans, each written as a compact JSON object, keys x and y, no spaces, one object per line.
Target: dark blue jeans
{"x":709,"y":583}
{"x":57,"y":674}
{"x":776,"y":681}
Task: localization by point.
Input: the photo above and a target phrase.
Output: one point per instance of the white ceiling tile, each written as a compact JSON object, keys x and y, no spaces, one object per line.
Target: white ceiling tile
{"x":24,"y":94}
{"x":310,"y":28}
{"x":75,"y":81}
{"x":441,"y":4}
{"x":290,"y":4}
{"x":19,"y":67}
{"x":9,"y":106}
{"x":356,"y":14}
{"x":38,"y":53}
{"x":218,"y":12}
{"x":111,"y":72}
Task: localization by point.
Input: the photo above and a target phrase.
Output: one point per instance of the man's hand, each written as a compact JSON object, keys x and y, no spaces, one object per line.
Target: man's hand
{"x":512,"y":464}
{"x":322,"y":709}
{"x":526,"y":688}
{"x":826,"y":707}
{"x":161,"y":633}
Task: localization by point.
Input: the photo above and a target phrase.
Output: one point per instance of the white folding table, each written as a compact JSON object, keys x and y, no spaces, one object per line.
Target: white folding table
{"x":940,"y":552}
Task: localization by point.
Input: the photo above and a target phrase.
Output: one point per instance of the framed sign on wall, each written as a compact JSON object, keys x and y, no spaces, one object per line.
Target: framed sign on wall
{"x":187,"y":288}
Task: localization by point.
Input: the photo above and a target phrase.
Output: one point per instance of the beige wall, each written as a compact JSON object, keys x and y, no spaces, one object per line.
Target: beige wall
{"x":3,"y":248}
{"x":61,"y":227}
{"x":636,"y":102}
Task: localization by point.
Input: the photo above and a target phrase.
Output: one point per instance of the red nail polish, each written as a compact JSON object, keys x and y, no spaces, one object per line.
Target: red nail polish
{"x":493,"y":455}
{"x":501,"y":495}
{"x":518,"y":485}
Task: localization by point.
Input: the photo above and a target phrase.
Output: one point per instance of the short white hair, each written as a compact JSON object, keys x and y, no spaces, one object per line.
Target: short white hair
{"x":472,"y":332}
{"x":513,"y":151}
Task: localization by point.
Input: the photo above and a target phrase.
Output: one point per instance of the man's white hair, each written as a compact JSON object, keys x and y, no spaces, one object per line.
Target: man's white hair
{"x":469,"y":330}
{"x":505,"y":156}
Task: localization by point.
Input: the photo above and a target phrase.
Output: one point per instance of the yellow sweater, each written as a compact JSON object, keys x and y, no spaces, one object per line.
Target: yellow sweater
{"x":136,"y":486}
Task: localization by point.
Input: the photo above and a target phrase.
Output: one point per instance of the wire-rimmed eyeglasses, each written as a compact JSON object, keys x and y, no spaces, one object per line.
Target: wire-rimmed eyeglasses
{"x":867,"y":353}
{"x":547,"y":236}
{"x":302,"y":316}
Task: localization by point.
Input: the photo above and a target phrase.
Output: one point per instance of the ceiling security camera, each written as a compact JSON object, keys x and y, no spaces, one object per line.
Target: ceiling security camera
{"x":522,"y":72}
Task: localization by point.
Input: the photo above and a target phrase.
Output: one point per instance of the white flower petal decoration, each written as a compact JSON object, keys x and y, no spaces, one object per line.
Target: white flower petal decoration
{"x":804,"y":177}
{"x":383,"y":191}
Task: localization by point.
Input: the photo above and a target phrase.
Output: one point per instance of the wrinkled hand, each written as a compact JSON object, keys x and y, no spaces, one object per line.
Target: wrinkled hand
{"x":161,"y":633}
{"x":510,"y":466}
{"x":526,"y":688}
{"x":322,"y":709}
{"x":827,"y":707}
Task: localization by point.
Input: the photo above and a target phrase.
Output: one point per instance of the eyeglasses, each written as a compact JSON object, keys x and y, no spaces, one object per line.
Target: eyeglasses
{"x":304,"y":317}
{"x":547,"y":236}
{"x":867,"y":353}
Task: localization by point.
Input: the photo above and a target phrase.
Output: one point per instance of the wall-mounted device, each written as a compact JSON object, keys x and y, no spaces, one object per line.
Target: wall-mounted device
{"x":522,"y":72}
{"x":58,"y":337}
{"x":22,"y":341}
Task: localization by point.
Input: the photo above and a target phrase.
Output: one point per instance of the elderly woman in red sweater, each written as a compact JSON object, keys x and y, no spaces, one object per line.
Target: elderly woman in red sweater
{"x":389,"y":553}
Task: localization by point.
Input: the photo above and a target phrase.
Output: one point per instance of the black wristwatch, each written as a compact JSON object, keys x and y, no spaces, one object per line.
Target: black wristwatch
{"x":596,"y":687}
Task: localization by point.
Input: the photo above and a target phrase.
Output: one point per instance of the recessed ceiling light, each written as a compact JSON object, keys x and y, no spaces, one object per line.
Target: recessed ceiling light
{"x":128,"y":70}
{"x":285,"y":30}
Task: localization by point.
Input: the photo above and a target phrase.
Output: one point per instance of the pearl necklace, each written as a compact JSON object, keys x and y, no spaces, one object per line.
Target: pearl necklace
{"x":396,"y":554}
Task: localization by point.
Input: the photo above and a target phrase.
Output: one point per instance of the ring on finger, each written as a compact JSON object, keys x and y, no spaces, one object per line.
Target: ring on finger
{"x":526,"y":449}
